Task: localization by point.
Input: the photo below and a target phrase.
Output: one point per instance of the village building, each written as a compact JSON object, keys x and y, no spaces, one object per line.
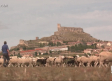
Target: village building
{"x":58,"y":48}
{"x":27,"y":52}
{"x":105,"y":49}
{"x":21,"y":49}
{"x":86,"y":51}
{"x":90,"y":43}
{"x":99,"y":44}
{"x":32,"y":52}
{"x":43,"y":42}
{"x":108,"y":48}
{"x":56,"y":41}
{"x":109,"y":44}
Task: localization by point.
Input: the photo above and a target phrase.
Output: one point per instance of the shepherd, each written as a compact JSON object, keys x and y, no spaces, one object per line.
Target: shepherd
{"x":6,"y":55}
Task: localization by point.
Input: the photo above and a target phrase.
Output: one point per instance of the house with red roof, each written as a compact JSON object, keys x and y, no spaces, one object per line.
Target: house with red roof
{"x":89,"y":43}
{"x":32,"y":52}
{"x":88,"y":51}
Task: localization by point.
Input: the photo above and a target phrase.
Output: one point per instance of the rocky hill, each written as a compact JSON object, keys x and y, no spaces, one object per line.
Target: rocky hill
{"x":69,"y":34}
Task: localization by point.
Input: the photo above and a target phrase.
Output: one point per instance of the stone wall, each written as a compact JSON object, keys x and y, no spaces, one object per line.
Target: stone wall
{"x":37,"y":38}
{"x":61,"y":30}
{"x":71,"y":34}
{"x":21,"y":42}
{"x":69,"y":29}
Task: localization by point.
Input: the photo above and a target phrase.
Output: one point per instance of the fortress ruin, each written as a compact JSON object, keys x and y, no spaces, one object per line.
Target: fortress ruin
{"x":21,"y":42}
{"x":68,"y":29}
{"x":71,"y":29}
{"x":63,"y":34}
{"x":26,"y":43}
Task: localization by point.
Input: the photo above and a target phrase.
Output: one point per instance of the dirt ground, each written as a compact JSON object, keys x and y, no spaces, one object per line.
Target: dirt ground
{"x":56,"y":73}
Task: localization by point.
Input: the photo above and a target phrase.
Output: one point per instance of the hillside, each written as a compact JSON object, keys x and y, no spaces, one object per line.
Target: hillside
{"x":70,"y":34}
{"x":63,"y":34}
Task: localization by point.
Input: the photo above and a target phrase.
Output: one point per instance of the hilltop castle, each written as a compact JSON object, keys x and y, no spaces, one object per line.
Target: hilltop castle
{"x":33,"y":43}
{"x":71,"y":29}
{"x":26,"y":43}
{"x":68,"y":29}
{"x":21,"y":42}
{"x":63,"y":34}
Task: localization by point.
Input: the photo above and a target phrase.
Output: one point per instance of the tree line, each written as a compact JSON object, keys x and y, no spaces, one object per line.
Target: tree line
{"x":81,"y":47}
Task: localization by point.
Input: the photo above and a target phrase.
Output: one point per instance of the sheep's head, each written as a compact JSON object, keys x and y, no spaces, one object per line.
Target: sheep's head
{"x":77,"y":55}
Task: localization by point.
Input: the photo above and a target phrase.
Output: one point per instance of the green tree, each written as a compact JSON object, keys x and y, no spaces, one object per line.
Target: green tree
{"x":19,"y":55}
{"x":58,"y":44}
{"x":45,"y":54}
{"x":68,"y":48}
{"x":66,"y":42}
{"x":103,"y":46}
{"x":54,"y":44}
{"x":76,"y":48}
{"x":41,"y":45}
{"x":50,"y":52}
{"x":39,"y":53}
{"x":72,"y":48}
{"x":59,"y":52}
{"x":81,"y":47}
{"x":24,"y":48}
{"x":35,"y":53}
{"x":50,"y":44}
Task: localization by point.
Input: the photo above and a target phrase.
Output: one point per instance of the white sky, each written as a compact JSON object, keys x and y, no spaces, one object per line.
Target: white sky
{"x":27,"y":19}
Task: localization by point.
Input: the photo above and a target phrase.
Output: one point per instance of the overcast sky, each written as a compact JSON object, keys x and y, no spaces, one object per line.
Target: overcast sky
{"x":27,"y":19}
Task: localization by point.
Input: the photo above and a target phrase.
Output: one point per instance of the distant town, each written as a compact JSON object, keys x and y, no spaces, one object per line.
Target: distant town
{"x":61,"y":43}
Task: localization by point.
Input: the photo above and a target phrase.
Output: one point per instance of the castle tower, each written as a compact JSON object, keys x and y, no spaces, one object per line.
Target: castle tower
{"x":37,"y":38}
{"x":21,"y":41}
{"x":58,"y":26}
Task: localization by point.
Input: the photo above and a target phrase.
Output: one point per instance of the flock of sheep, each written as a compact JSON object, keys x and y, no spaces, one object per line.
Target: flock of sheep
{"x":103,"y":59}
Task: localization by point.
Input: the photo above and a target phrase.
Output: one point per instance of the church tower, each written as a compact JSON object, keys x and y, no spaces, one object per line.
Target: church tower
{"x":58,"y":26}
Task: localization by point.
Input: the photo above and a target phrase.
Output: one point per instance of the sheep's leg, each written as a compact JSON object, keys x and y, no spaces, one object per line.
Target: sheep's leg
{"x":64,"y":65}
{"x":80,"y":64}
{"x":91,"y":65}
{"x":9,"y":65}
{"x":75,"y":65}
{"x":22,"y":65}
{"x":83,"y":65}
{"x":105,"y":64}
{"x":1,"y":65}
{"x":16,"y":65}
{"x":31,"y":65}
{"x":19,"y":64}
{"x":88,"y":64}
{"x":25,"y":65}
{"x":55,"y":64}
{"x":108,"y":64}
{"x":101,"y":64}
{"x":96,"y":63}
{"x":46,"y":64}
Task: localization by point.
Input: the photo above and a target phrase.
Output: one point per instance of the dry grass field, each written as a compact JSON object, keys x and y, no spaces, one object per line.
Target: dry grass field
{"x":56,"y":73}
